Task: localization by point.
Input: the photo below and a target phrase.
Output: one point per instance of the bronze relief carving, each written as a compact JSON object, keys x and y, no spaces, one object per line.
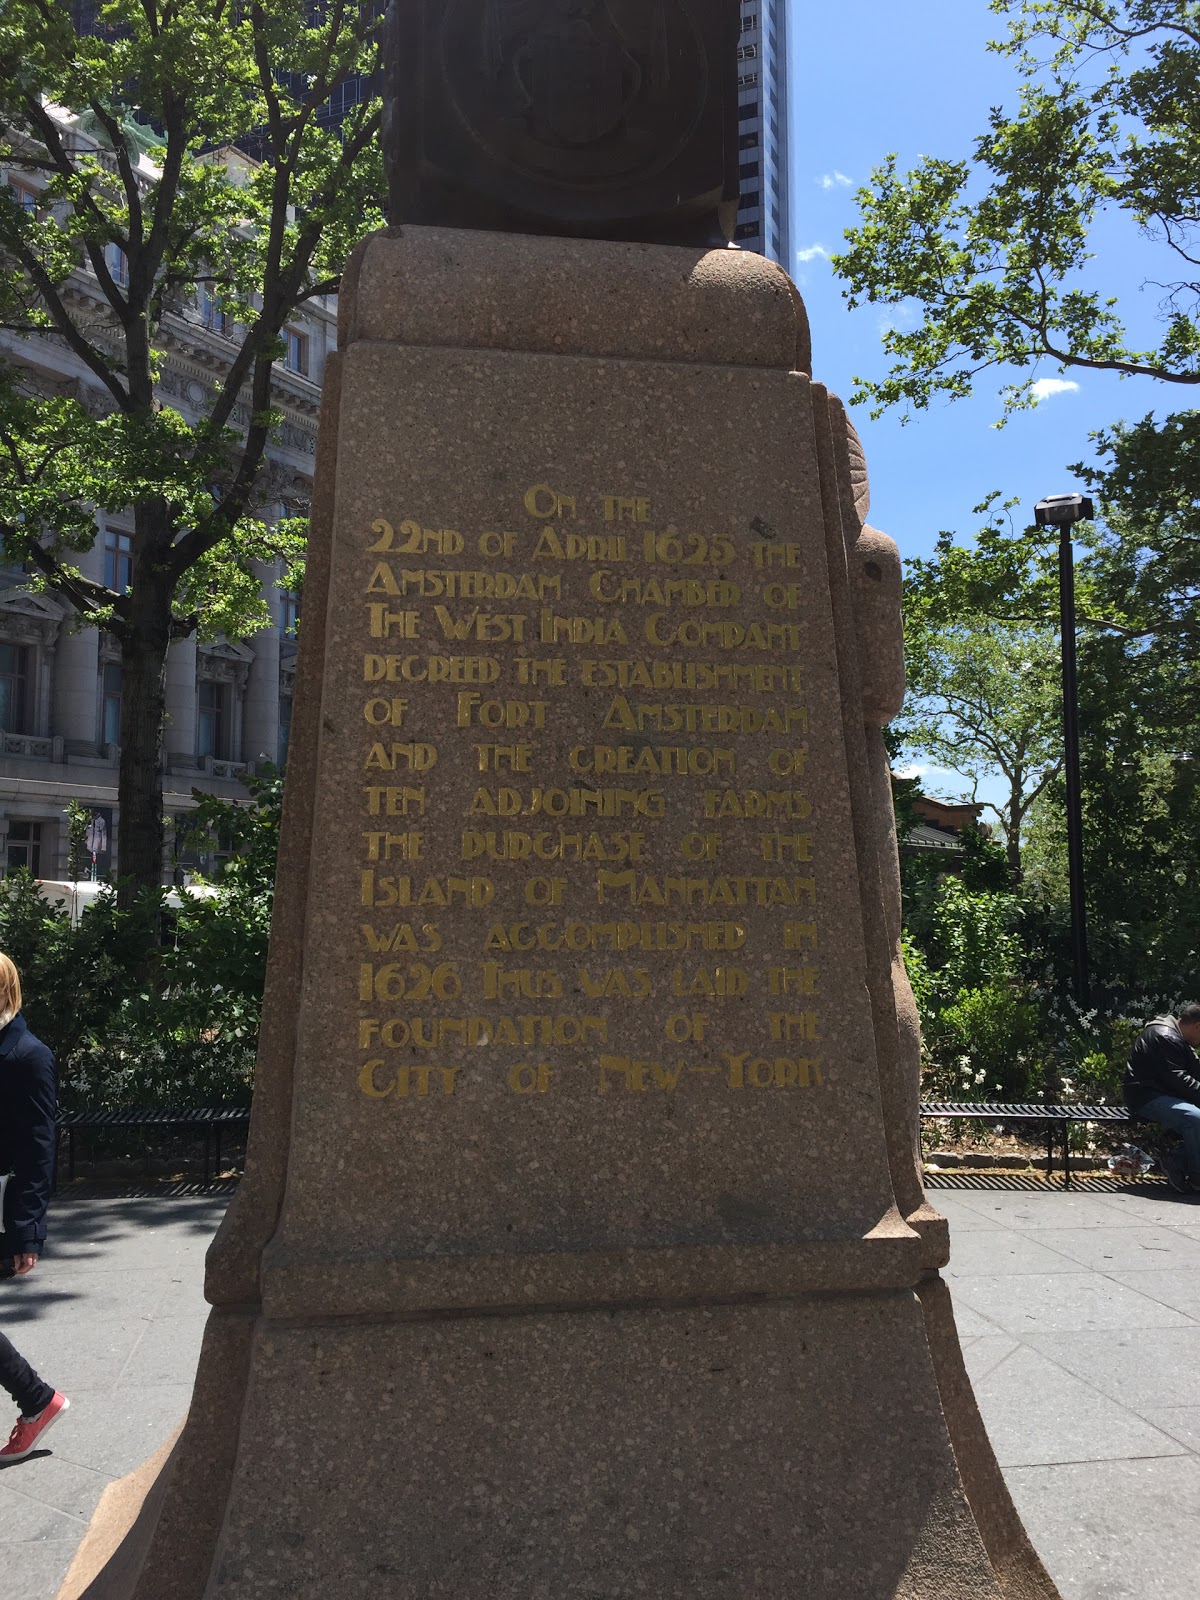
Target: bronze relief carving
{"x":613,"y":118}
{"x":572,"y":73}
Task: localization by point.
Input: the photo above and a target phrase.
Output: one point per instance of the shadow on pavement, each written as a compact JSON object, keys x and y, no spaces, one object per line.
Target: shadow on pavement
{"x":1031,"y":1183}
{"x":93,"y":1236}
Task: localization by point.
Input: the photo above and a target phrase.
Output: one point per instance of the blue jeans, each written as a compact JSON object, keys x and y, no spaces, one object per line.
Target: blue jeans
{"x":30,"y":1392}
{"x":1182,"y":1117}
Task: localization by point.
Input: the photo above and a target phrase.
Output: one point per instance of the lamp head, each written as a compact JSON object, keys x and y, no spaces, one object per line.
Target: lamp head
{"x":1062,"y":510}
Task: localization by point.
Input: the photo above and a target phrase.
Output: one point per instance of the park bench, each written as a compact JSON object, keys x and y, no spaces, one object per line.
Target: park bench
{"x":1057,"y":1121}
{"x":209,"y":1121}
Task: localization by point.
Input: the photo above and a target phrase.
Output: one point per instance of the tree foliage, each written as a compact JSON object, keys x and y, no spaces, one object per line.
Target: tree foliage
{"x":983,"y":697}
{"x":183,"y":150}
{"x":996,"y":251}
{"x":155,"y":1004}
{"x":1138,"y":589}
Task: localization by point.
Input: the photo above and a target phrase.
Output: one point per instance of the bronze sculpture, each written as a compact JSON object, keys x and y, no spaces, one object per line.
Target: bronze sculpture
{"x":596,"y":118}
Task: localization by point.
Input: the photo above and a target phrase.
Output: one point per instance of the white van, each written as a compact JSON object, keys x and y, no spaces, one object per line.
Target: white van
{"x":76,"y":897}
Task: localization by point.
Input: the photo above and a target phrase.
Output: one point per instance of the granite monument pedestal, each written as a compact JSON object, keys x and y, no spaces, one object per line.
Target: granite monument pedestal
{"x":582,"y":1250}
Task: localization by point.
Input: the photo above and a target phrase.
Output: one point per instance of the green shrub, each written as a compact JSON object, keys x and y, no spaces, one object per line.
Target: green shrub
{"x":988,"y":1039}
{"x":150,"y":1006}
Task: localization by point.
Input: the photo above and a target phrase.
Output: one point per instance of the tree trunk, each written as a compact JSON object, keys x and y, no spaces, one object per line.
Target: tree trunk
{"x":1012,"y":837}
{"x":143,"y":704}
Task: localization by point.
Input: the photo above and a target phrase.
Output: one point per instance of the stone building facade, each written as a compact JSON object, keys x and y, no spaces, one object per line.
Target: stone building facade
{"x":229,"y":701}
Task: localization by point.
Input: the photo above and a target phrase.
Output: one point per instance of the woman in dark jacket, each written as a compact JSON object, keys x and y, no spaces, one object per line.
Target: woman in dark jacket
{"x":27,"y":1135}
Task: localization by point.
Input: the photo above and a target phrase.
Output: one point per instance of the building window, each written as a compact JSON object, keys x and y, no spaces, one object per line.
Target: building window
{"x":748,"y":112}
{"x":747,"y":80}
{"x":749,"y":169}
{"x":285,"y":728}
{"x":210,"y":723}
{"x":289,"y":613}
{"x":110,"y":704}
{"x":118,"y":561}
{"x":26,"y":196}
{"x":25,"y":848}
{"x":750,"y":200}
{"x":748,"y":141}
{"x":295,"y":355}
{"x":747,"y":52}
{"x":211,"y":313}
{"x":117,"y":263}
{"x":746,"y":230}
{"x":13,"y":687}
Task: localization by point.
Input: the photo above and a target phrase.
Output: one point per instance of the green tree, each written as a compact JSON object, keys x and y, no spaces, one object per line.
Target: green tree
{"x":978,"y":1013}
{"x":174,"y":91}
{"x":1139,"y":685}
{"x":158,"y":1004}
{"x":994,"y":251}
{"x":78,"y":818}
{"x":75,"y":978}
{"x":982,"y":694}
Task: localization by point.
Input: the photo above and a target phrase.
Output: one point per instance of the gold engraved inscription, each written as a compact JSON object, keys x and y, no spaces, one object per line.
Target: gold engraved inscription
{"x":547,"y":845}
{"x":431,"y":669}
{"x":398,"y":802}
{"x":580,"y":757}
{"x":705,"y":719}
{"x":455,"y":585}
{"x":608,"y":938}
{"x":647,"y":889}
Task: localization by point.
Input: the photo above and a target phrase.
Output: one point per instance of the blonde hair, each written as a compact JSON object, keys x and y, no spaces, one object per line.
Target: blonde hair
{"x":10,"y":990}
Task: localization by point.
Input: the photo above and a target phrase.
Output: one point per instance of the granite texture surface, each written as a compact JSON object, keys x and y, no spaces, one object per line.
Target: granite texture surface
{"x":699,"y":1453}
{"x":593,"y":1164}
{"x":453,"y":286}
{"x":583,"y":1250}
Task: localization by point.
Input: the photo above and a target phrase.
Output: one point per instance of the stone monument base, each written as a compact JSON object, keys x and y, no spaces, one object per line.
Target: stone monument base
{"x":112,"y":1554}
{"x":689,"y":1453}
{"x":701,"y":1452}
{"x":617,"y":1318}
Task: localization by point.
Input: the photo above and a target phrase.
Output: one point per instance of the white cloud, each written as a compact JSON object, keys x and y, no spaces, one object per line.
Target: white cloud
{"x":1045,"y":387}
{"x":833,"y":180}
{"x":901,"y":319}
{"x":813,"y":252}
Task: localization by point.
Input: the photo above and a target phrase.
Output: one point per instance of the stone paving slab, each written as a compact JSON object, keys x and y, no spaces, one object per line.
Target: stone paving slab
{"x":1113,"y":1529}
{"x":1050,"y":1302}
{"x":113,"y":1316}
{"x":1039,"y":1415}
{"x":1079,"y":1315}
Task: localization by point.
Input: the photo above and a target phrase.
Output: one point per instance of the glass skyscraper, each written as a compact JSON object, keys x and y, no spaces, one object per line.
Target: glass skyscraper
{"x":763,"y":213}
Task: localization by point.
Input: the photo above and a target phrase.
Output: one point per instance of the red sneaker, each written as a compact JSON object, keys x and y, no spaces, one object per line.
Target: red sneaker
{"x":23,"y":1440}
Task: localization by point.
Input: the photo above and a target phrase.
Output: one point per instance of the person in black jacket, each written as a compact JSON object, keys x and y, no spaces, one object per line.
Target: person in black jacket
{"x":28,"y":1104}
{"x":1162,"y":1084}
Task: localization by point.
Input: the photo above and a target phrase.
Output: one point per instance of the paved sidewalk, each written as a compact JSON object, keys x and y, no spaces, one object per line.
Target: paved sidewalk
{"x":1079,"y":1313}
{"x":113,"y":1316}
{"x":1080,"y":1318}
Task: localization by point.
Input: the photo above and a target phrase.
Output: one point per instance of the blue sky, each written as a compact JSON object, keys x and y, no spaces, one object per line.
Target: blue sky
{"x":873,"y":76}
{"x":912,"y":76}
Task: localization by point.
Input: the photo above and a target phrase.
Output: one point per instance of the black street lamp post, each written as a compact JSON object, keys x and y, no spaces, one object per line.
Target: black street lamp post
{"x":1063,"y":511}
